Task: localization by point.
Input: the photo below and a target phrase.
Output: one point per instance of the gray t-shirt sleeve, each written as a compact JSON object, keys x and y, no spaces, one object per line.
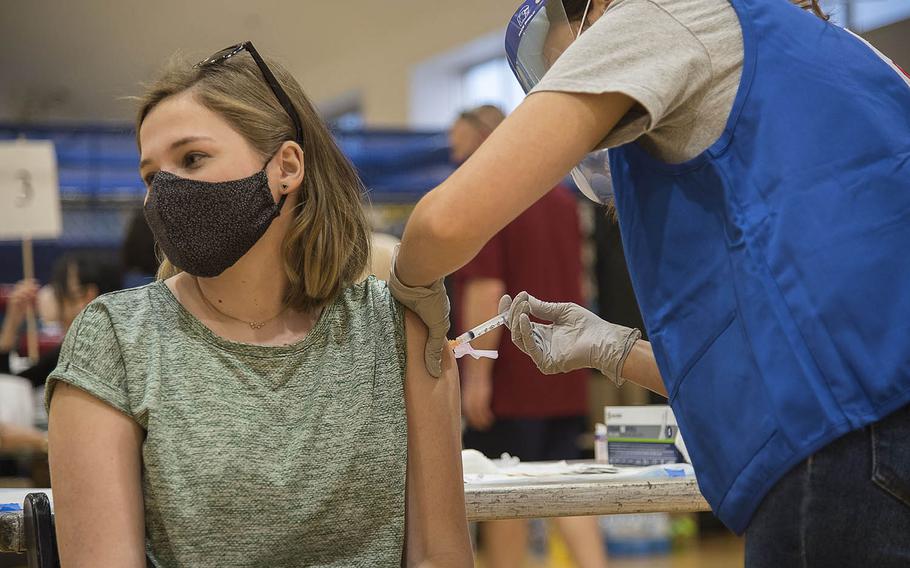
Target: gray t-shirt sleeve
{"x":639,"y":49}
{"x":91,"y":359}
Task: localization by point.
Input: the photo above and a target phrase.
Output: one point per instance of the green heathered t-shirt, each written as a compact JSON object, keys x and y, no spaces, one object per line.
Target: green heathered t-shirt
{"x":256,"y":456}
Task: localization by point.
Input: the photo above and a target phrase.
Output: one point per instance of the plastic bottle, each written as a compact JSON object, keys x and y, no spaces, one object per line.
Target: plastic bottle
{"x":600,"y":443}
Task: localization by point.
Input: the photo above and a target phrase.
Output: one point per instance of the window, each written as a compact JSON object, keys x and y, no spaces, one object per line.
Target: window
{"x":865,"y":15}
{"x":470,"y":75}
{"x":491,"y":82}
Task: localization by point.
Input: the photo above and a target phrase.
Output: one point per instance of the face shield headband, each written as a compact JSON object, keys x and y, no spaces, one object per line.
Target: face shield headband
{"x":537,"y":35}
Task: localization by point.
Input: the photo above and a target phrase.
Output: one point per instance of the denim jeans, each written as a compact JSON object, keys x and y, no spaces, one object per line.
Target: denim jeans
{"x":847,"y":505}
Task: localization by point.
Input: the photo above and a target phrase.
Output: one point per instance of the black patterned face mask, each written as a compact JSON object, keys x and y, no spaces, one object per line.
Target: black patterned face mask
{"x":205,"y":227}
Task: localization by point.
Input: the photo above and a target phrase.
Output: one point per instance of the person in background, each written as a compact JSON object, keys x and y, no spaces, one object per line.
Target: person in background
{"x":24,"y":294}
{"x":470,"y":130}
{"x":47,"y":311}
{"x":137,"y":256}
{"x":15,"y":439}
{"x":509,"y":405}
{"x":78,"y":278}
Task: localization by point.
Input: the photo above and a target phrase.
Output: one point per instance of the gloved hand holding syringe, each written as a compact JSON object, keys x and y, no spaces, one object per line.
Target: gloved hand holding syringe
{"x":461,"y":345}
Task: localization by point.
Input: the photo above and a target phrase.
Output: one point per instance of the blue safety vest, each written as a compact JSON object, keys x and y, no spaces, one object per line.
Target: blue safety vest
{"x":773,"y":270}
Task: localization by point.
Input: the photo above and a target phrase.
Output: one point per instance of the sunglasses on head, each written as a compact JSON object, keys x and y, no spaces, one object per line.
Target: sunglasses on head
{"x":270,"y":79}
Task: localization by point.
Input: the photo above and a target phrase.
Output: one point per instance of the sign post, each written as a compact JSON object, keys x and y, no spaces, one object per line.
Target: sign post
{"x":29,"y":207}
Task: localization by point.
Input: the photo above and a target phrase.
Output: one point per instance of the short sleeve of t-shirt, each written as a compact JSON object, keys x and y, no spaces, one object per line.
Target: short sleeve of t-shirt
{"x":91,"y":359}
{"x":639,"y":49}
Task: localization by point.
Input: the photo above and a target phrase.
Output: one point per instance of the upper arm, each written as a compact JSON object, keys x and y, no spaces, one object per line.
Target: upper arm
{"x":480,"y":302}
{"x":482,"y":283}
{"x":532,"y":150}
{"x":437,"y":530}
{"x":96,"y":474}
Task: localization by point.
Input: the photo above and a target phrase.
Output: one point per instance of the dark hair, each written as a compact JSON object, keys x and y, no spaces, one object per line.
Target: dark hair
{"x":138,"y":252}
{"x":484,"y":118}
{"x":575,"y":9}
{"x":92,"y":268}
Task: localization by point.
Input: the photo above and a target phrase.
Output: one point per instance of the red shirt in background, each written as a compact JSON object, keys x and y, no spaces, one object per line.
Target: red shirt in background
{"x":540,"y":252}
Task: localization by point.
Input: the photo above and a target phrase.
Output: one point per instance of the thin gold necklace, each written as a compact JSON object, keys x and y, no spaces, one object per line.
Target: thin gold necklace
{"x":253,"y":324}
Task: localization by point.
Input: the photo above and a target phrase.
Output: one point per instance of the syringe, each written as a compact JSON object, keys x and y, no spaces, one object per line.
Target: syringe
{"x":481,"y":329}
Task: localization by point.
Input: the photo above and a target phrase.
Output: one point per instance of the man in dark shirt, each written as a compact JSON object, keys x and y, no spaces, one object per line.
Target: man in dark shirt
{"x":509,"y":406}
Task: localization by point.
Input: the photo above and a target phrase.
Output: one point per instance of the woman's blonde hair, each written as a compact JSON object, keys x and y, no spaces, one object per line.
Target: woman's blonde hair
{"x":812,"y":6}
{"x":328,"y":244}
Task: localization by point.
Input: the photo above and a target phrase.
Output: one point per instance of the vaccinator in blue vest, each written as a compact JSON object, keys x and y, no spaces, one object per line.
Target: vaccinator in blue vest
{"x":771,"y":266}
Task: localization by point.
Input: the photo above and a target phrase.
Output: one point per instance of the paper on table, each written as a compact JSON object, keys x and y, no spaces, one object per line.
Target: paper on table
{"x":475,"y":463}
{"x":479,"y":469}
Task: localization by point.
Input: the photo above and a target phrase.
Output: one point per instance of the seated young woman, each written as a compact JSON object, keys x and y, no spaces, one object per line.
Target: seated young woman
{"x":253,"y":406}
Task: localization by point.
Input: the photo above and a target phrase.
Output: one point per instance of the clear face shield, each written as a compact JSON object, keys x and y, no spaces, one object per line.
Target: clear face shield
{"x":537,"y":35}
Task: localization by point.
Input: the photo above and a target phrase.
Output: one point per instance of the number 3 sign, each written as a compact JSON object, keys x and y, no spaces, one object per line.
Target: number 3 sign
{"x":29,"y":193}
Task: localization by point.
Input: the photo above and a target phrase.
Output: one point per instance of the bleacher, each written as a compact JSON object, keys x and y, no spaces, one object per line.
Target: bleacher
{"x":100,"y":185}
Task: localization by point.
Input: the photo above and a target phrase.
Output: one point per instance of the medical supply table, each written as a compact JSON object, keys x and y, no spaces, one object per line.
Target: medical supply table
{"x":590,"y":494}
{"x":518,"y":498}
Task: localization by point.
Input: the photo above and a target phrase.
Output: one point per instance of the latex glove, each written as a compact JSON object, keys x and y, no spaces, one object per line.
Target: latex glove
{"x":476,"y":402}
{"x":577,"y":338}
{"x":432,"y":306}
